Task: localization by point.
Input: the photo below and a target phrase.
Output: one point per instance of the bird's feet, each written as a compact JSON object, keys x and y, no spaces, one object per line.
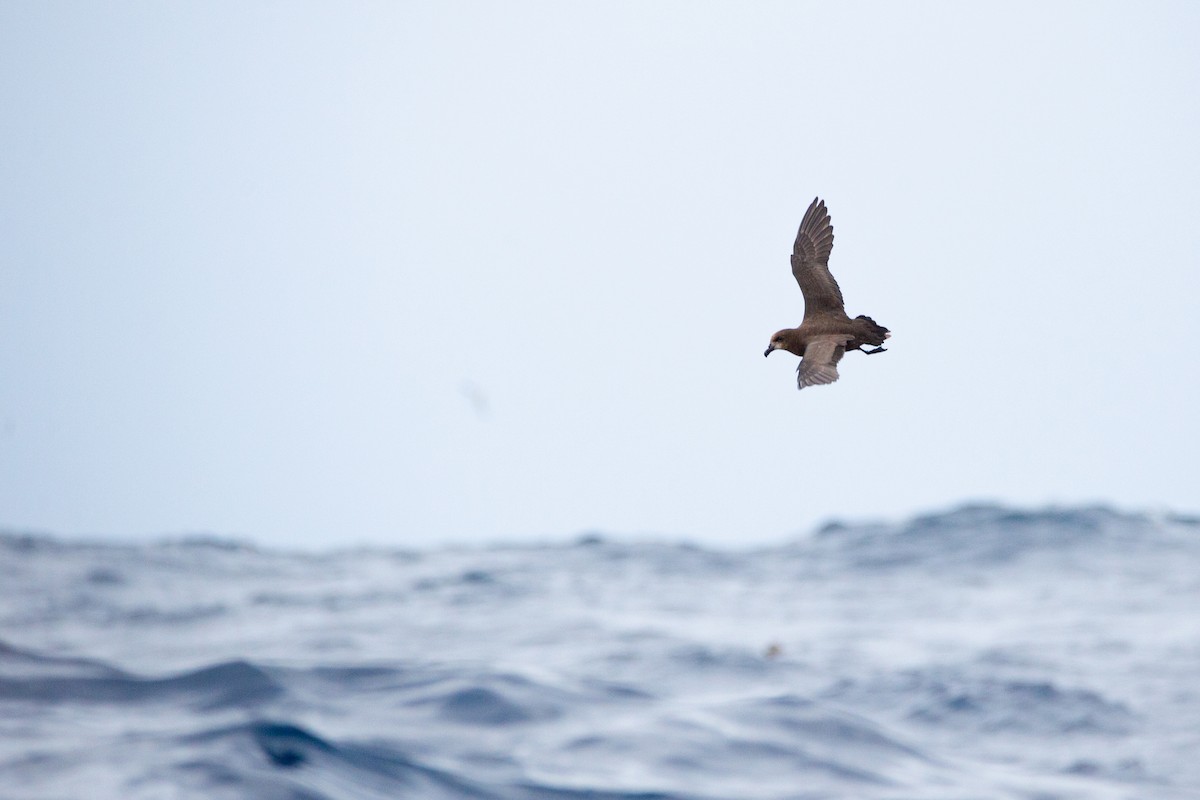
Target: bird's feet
{"x":876,"y":350}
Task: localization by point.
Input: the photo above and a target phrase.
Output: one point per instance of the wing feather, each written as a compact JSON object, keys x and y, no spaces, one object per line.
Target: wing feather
{"x":810,"y":263}
{"x":821,"y":357}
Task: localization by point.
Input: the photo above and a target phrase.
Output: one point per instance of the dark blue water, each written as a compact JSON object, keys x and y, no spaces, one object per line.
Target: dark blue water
{"x":981,"y":653}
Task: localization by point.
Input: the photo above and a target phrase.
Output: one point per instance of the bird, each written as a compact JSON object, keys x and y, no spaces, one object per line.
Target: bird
{"x":826,"y":332}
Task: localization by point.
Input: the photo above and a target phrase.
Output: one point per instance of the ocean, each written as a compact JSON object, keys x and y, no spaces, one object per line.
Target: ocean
{"x":981,"y":652}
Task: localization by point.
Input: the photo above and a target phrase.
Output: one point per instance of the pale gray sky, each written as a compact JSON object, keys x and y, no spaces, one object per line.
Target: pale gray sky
{"x":408,"y":273}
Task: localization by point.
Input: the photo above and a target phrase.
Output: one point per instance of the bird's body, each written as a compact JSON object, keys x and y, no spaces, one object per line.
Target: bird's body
{"x":826,"y":332}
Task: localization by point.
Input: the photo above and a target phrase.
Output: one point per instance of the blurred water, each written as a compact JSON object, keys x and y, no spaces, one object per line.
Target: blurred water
{"x":980,"y":653}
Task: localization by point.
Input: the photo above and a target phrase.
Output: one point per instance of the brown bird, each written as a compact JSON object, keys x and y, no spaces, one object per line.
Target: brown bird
{"x":825,"y":333}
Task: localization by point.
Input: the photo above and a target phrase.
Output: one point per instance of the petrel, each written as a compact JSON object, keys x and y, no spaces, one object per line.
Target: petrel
{"x":826,"y":333}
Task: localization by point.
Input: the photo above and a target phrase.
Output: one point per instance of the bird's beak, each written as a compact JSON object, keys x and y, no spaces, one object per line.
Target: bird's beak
{"x":770,"y":347}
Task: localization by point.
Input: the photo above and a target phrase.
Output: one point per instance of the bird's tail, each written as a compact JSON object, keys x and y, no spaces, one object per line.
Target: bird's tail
{"x":874,"y":333}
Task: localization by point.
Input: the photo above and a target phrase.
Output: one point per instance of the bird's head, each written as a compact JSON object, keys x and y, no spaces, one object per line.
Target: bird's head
{"x":776,"y":343}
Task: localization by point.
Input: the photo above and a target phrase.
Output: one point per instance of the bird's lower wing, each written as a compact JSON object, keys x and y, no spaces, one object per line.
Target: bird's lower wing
{"x":819,"y":364}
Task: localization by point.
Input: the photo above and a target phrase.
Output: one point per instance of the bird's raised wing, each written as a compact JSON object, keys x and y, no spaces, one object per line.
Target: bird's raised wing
{"x":821,"y":356}
{"x":810,"y":263}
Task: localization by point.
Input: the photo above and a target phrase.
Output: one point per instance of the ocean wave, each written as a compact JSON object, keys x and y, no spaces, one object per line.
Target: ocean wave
{"x":982,"y":652}
{"x":981,"y":534}
{"x":224,"y":685}
{"x":965,"y":699}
